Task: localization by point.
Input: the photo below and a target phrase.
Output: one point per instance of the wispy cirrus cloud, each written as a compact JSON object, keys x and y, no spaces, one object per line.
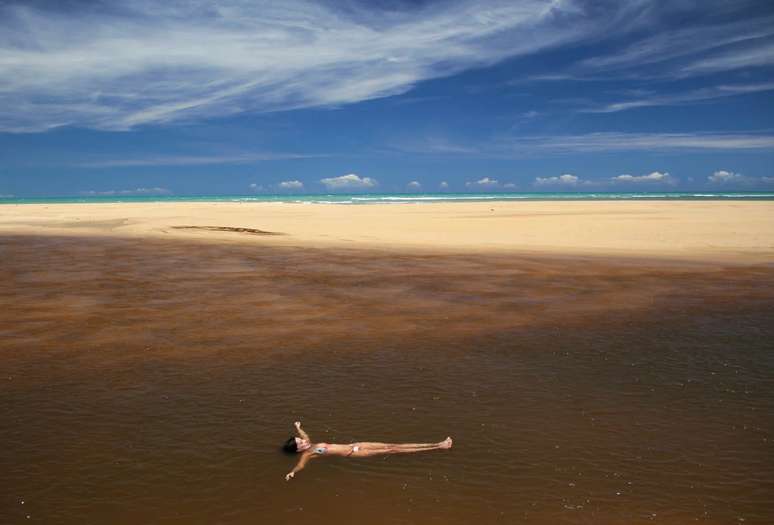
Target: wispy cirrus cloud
{"x":688,"y":97}
{"x":757,"y":54}
{"x":614,"y":141}
{"x":115,"y":65}
{"x":737,"y":38}
{"x":130,"y":192}
{"x":187,"y":160}
{"x":433,"y":145}
{"x":694,"y":47}
{"x":518,"y":146}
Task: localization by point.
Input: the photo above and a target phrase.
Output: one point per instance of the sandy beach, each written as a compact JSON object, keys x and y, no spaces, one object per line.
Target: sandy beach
{"x":729,"y":231}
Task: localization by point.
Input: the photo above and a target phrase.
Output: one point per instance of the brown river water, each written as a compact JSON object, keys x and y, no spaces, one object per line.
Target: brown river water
{"x":149,"y":382}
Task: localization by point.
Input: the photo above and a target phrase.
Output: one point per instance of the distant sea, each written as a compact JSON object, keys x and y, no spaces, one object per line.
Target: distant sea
{"x":400,"y":198}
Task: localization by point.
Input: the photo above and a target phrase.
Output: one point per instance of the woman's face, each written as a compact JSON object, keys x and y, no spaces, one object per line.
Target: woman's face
{"x":302,"y":444}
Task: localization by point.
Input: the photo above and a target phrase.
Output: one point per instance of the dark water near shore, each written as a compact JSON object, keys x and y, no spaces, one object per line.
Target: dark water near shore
{"x":143,"y":382}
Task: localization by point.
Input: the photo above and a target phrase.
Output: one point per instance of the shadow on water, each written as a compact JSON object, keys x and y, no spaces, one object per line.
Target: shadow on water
{"x":147,"y":382}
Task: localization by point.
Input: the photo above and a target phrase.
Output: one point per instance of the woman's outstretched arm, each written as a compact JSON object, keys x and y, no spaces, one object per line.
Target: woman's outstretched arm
{"x":299,"y":466}
{"x":301,"y":432}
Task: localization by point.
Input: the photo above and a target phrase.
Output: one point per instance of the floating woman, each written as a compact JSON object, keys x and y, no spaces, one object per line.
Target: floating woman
{"x":363,"y":449}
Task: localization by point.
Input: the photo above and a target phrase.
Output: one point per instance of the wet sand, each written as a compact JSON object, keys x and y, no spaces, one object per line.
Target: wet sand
{"x":152,"y":381}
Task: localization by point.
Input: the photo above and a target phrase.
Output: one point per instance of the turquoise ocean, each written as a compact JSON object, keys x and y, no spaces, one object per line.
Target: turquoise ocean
{"x":401,"y":198}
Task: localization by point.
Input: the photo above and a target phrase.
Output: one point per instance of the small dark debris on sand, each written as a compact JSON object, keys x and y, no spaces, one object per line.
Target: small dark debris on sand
{"x":251,"y":231}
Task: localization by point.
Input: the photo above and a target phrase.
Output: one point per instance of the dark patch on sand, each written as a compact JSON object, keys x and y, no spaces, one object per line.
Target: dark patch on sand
{"x":251,"y":231}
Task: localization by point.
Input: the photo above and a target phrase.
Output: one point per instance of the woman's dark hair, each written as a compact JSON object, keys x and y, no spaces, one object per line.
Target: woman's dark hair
{"x":290,"y":446}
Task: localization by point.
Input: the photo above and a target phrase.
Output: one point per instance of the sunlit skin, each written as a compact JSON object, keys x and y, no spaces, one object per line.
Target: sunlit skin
{"x":362,"y":449}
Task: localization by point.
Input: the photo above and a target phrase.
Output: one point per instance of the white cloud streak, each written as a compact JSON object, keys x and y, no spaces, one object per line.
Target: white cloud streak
{"x":291,"y":185}
{"x":655,"y":177}
{"x":188,"y":160}
{"x":705,"y":48}
{"x":483,"y":183}
{"x":139,"y":62}
{"x":116,"y":65}
{"x":136,"y":191}
{"x":726,"y":177}
{"x":538,"y":146}
{"x":613,"y":141}
{"x":350,"y":181}
{"x":689,"y":97}
{"x":759,"y":54}
{"x":433,"y":146}
{"x":562,"y":180}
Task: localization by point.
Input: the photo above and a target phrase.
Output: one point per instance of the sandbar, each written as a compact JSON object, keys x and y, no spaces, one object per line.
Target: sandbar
{"x":732,"y":231}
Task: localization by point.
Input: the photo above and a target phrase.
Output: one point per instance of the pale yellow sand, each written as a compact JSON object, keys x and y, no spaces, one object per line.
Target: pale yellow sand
{"x":713,"y":231}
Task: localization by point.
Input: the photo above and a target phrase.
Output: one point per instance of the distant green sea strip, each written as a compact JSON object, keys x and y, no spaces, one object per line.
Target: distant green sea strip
{"x":398,"y":198}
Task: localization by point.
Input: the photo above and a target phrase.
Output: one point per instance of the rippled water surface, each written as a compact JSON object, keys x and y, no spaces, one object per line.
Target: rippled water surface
{"x":144,"y":382}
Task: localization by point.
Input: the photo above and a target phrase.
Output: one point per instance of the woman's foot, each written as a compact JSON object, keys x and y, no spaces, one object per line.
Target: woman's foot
{"x":446,"y":443}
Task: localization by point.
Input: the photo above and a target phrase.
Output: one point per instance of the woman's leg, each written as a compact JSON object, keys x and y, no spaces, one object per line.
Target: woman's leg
{"x":402,"y":448}
{"x":375,"y":445}
{"x":418,"y":447}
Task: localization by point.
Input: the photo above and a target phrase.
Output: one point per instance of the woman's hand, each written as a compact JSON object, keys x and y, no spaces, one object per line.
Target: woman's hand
{"x":301,"y":431}
{"x":290,"y":476}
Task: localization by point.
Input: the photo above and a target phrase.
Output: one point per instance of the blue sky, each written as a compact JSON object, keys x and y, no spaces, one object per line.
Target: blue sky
{"x":236,"y":97}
